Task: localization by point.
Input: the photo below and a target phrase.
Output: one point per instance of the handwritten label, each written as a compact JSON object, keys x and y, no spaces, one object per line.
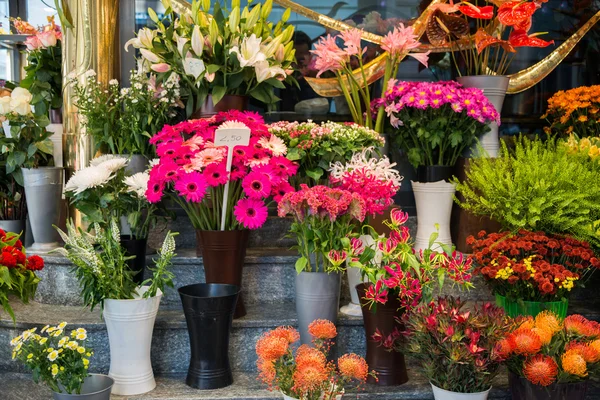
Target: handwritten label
{"x":232,"y":137}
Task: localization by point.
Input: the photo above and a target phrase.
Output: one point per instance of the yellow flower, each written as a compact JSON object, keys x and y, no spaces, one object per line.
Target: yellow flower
{"x":72,"y":345}
{"x":594,"y":151}
{"x":81,"y":350}
{"x":15,"y":340}
{"x":18,"y":346}
{"x":29,"y":356}
{"x":45,"y":328}
{"x":81,"y":336}
{"x":63,"y":341}
{"x":53,"y":355}
{"x":86,"y":362}
{"x":57,"y":333}
{"x":43,"y":340}
{"x":582,"y":118}
{"x":62,"y":325}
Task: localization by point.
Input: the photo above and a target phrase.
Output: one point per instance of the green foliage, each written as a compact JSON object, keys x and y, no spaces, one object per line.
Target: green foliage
{"x":43,"y":78}
{"x":538,"y":186}
{"x":162,"y":277}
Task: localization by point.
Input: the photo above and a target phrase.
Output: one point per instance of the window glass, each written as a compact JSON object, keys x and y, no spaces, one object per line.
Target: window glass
{"x":38,"y":11}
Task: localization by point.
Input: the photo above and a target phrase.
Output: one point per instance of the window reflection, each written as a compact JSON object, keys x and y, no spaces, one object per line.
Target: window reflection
{"x":38,"y":11}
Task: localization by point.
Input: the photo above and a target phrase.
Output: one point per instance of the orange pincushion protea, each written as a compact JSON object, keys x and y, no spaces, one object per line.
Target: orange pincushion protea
{"x":589,"y":353}
{"x":307,"y":354}
{"x":526,"y":322}
{"x":271,"y":348}
{"x":595,"y":345}
{"x":266,"y":371}
{"x":311,"y":370}
{"x":581,"y":326}
{"x":286,"y":332}
{"x":506,"y":347}
{"x":545,"y":334}
{"x":548,"y":321}
{"x":322,"y":329}
{"x":354,"y":367}
{"x":540,"y":370}
{"x":574,"y":363}
{"x":526,"y":342}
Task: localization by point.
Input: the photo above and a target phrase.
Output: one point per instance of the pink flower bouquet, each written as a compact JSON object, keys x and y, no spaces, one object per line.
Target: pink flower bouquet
{"x":323,"y":216}
{"x":193,"y":171}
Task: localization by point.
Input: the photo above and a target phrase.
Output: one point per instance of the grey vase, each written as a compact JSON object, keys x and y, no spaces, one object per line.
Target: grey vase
{"x":43,"y":192}
{"x":317,"y":297}
{"x":13,"y":225}
{"x":137,"y":163}
{"x":95,"y":387}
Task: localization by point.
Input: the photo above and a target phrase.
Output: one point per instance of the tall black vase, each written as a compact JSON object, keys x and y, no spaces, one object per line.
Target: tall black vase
{"x":137,"y":249}
{"x":208,"y":309}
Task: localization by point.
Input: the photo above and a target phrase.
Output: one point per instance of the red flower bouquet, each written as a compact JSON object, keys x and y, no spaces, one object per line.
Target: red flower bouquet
{"x":532,"y":266}
{"x":193,"y":171}
{"x":17,"y":272}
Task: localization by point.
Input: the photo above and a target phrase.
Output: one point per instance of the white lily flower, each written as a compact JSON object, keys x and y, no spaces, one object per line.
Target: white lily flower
{"x":248,"y":54}
{"x":150,"y":56}
{"x":197,"y":41}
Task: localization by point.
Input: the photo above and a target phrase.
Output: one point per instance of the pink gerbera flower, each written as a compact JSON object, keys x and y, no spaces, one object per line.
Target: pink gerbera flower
{"x":167,"y":170}
{"x":283,"y":167}
{"x":154,"y":192}
{"x":258,"y":157}
{"x":256,"y":185}
{"x":168,"y":149}
{"x":192,"y":186}
{"x":215,"y":174}
{"x":281,"y":190}
{"x":208,"y":156}
{"x":251,"y":213}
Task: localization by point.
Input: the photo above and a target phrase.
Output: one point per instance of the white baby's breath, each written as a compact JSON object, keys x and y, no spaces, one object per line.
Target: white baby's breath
{"x":379,"y":167}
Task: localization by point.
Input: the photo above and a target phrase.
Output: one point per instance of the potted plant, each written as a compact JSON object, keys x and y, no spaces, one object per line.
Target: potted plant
{"x":105,"y":190}
{"x":532,"y":271}
{"x":193,"y":171}
{"x":121,"y":120}
{"x":377,"y":181}
{"x":129,"y":310}
{"x":307,"y":375}
{"x":323,"y":217}
{"x":61,"y":361}
{"x":29,"y":156}
{"x":399,"y":279}
{"x":221,"y":56}
{"x":433,"y":123}
{"x":315,"y":146}
{"x":480,"y":53}
{"x":551,"y":358}
{"x":535,"y":186}
{"x":574,"y":111}
{"x":17,"y":272}
{"x":456,"y":346}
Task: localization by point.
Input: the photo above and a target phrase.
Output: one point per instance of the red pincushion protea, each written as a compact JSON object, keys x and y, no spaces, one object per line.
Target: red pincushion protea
{"x":541,"y":370}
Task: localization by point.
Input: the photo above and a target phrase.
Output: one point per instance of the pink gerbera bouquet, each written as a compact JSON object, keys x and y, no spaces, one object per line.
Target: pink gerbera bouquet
{"x":192,"y":170}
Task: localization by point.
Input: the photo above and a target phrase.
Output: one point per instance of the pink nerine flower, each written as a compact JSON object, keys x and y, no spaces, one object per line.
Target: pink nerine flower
{"x":352,"y":39}
{"x":328,"y":56}
{"x":403,"y":40}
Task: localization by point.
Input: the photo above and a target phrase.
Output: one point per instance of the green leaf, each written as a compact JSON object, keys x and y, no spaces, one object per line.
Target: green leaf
{"x":301,"y":263}
{"x":217,"y":93}
{"x":45,"y":146}
{"x":212,"y":68}
{"x":315,"y":174}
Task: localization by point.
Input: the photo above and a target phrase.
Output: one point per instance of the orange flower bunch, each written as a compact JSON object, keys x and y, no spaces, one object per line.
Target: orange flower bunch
{"x":574,"y":111}
{"x":307,"y":375}
{"x":546,"y":350}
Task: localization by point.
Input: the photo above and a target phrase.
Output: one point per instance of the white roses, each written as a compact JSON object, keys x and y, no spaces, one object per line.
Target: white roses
{"x":18,"y":102}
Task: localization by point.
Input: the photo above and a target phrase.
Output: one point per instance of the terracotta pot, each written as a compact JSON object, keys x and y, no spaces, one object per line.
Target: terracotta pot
{"x":223,"y":254}
{"x":389,"y":365}
{"x":228,"y":102}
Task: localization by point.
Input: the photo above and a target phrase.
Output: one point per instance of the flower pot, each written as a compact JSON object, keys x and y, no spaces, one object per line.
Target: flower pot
{"x":354,"y":278}
{"x":95,"y":387}
{"x":516,"y":308}
{"x":434,"y":206}
{"x":208,"y":310}
{"x":441,"y":394}
{"x":317,"y":297}
{"x":13,"y":225}
{"x":137,"y":249}
{"x":137,"y":163}
{"x":130,"y":324}
{"x":434,"y":173}
{"x":390,"y":366}
{"x":494,"y":88}
{"x":228,"y":102}
{"x":223,"y":254}
{"x":522,"y":389}
{"x":43,"y":193}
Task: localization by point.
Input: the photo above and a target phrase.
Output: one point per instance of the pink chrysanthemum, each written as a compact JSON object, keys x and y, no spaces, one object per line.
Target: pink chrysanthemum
{"x":215,"y":174}
{"x":251,"y":213}
{"x":256,"y":185}
{"x":192,"y":186}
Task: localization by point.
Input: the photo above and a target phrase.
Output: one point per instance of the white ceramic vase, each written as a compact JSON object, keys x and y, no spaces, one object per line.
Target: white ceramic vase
{"x":130,"y":324}
{"x":441,"y":394}
{"x":434,"y":206}
{"x":286,"y":397}
{"x":355,"y":278}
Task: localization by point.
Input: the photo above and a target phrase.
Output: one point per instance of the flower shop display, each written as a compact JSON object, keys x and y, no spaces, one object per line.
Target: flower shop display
{"x":479,"y":52}
{"x":192,"y":171}
{"x":552,"y":358}
{"x":532,"y":271}
{"x":399,"y":279}
{"x":315,"y":146}
{"x":433,"y":124}
{"x":308,"y":374}
{"x":221,"y":55}
{"x":535,"y":186}
{"x":456,"y":346}
{"x":28,"y":149}
{"x":121,"y":120}
{"x":323,"y":217}
{"x":330,"y":57}
{"x":43,"y":72}
{"x":61,"y":361}
{"x":377,"y":181}
{"x":105,"y":190}
{"x":574,"y":111}
{"x":129,"y":310}
{"x":209,"y":309}
{"x":17,"y":272}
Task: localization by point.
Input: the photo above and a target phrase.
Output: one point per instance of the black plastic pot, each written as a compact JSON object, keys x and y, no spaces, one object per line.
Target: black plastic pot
{"x":434,"y":173}
{"x":208,"y":309}
{"x":136,"y":248}
{"x":522,"y":389}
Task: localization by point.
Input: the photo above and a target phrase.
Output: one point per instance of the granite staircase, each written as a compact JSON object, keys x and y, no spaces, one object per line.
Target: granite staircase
{"x":269,"y":295}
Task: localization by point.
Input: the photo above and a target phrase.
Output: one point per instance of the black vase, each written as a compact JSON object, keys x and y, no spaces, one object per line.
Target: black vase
{"x":137,"y":249}
{"x":434,"y":173}
{"x":208,"y":309}
{"x":522,"y":389}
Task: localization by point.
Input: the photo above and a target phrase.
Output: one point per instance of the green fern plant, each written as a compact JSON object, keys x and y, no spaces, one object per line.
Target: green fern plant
{"x":536,"y":186}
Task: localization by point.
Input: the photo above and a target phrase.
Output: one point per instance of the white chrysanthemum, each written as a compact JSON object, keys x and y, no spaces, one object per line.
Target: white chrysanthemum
{"x":232,"y":125}
{"x":88,"y":178}
{"x":138,"y":183}
{"x":114,"y":164}
{"x":275,"y":144}
{"x":99,"y":160}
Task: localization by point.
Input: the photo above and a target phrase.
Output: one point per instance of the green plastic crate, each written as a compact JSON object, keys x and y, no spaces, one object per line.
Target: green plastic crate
{"x":514,"y":309}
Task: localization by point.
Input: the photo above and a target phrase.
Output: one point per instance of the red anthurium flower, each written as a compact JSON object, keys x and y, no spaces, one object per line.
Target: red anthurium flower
{"x":483,"y":40}
{"x":514,"y":12}
{"x":519,"y":38}
{"x":524,"y":25}
{"x":472,"y":11}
